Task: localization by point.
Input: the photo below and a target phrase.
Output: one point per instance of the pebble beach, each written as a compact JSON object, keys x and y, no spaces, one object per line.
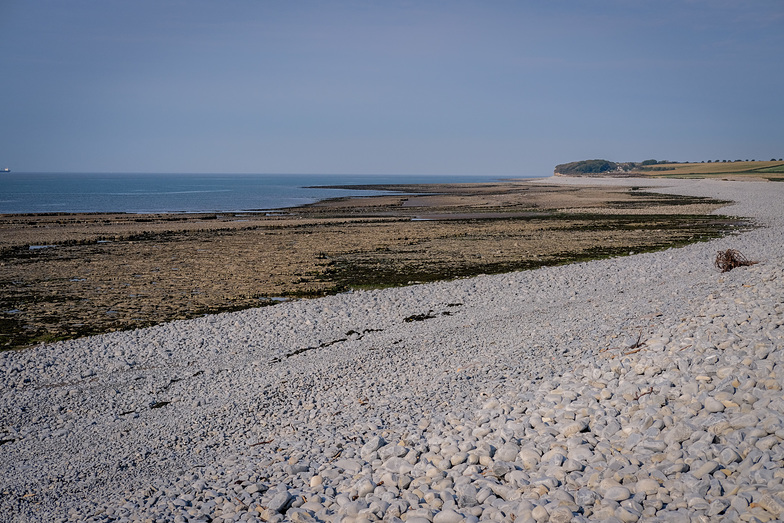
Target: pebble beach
{"x":641,"y":388}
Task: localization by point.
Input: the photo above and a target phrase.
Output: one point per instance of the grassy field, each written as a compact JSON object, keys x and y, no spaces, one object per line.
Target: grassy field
{"x":773,"y":171}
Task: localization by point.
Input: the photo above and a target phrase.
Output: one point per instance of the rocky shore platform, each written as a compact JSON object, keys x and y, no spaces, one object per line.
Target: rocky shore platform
{"x":69,"y":275}
{"x":636,"y":388}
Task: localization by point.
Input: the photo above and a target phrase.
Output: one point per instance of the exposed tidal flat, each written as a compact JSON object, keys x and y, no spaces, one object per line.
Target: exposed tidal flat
{"x":69,"y":275}
{"x":644,"y":387}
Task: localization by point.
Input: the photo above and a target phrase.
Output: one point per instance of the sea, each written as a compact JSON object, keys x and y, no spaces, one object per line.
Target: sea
{"x":22,"y":193}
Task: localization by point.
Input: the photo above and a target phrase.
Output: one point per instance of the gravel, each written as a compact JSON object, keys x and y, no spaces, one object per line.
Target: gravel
{"x":647,"y":387}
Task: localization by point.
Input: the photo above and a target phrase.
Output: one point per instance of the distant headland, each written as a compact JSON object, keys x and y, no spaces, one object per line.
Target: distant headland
{"x":770,"y":170}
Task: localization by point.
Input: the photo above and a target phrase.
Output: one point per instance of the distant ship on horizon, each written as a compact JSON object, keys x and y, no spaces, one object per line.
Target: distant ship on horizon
{"x":6,"y":170}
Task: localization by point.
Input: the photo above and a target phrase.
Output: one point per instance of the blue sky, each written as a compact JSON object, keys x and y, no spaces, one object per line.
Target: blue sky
{"x":507,"y":88}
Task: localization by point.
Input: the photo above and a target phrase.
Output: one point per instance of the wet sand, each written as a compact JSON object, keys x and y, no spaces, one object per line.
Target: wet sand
{"x":68,"y":275}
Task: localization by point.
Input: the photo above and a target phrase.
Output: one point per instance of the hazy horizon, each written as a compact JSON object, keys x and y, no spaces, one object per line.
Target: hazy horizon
{"x":505,"y":89}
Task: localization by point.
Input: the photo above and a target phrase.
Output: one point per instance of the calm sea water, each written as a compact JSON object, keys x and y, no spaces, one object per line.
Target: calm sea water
{"x":149,"y":193}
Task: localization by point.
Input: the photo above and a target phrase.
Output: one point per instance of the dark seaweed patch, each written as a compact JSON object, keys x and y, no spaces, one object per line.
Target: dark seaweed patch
{"x":420,"y":317}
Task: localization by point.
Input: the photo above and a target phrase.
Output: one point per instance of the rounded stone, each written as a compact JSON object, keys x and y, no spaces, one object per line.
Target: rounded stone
{"x":529,"y":458}
{"x":561,"y":515}
{"x":447,"y":516}
{"x":540,"y":513}
{"x":507,"y":452}
{"x":316,"y":480}
{"x":618,"y":493}
{"x":365,"y":487}
{"x":647,"y":486}
{"x":713,"y":405}
{"x":626,"y":515}
{"x":705,"y":469}
{"x":729,"y":455}
{"x":678,"y":433}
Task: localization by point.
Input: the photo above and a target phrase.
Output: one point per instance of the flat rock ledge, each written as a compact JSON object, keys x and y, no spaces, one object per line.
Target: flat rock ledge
{"x":645,"y":388}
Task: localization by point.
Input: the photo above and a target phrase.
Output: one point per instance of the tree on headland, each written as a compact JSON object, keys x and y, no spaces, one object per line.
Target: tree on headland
{"x":586,"y":167}
{"x":601,"y":167}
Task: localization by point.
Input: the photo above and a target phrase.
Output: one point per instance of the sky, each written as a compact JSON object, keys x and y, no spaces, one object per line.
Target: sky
{"x":495,"y":87}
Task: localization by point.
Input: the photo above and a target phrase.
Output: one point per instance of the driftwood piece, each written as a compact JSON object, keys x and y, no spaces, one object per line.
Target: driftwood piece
{"x":730,"y":259}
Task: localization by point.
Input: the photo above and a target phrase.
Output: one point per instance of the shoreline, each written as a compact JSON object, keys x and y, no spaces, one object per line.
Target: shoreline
{"x":619,"y":388}
{"x":176,"y":266}
{"x":183,"y":193}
